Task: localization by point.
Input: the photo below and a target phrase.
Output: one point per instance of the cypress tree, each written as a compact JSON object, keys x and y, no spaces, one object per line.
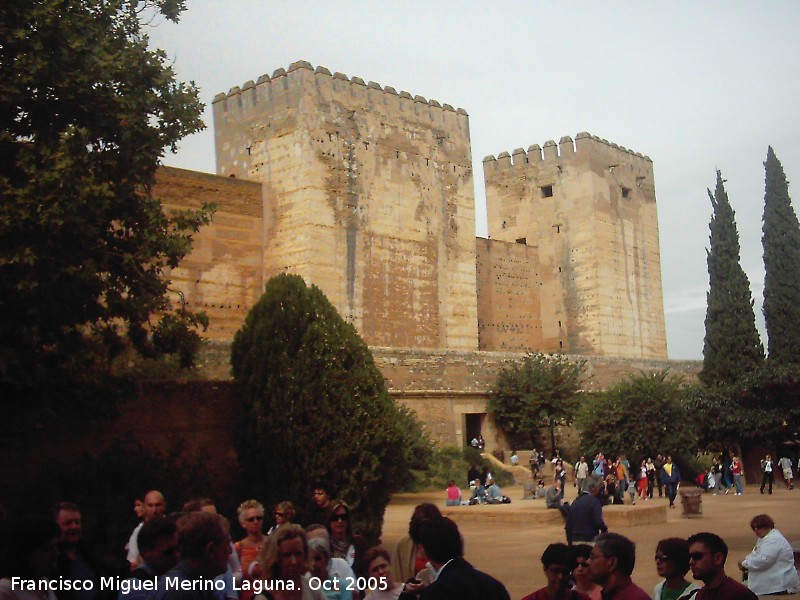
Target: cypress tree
{"x":731,"y":346}
{"x":315,"y":406}
{"x":781,"y":241}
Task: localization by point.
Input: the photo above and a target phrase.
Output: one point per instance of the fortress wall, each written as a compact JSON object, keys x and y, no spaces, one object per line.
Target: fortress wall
{"x":442,"y":386}
{"x":368,"y":195}
{"x":589,"y":208}
{"x":222,"y":275}
{"x":509,"y":299}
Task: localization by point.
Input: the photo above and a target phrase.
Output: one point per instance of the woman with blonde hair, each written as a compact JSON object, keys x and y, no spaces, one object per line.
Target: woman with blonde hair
{"x":284,"y":565}
{"x":284,"y":513}
{"x":251,"y":518}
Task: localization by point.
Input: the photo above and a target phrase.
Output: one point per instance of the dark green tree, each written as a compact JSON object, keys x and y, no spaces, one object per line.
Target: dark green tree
{"x":86,"y":112}
{"x":540,"y":391}
{"x":731,"y":346}
{"x":643,"y":415}
{"x":781,"y":242}
{"x":315,"y":406}
{"x":760,"y":408}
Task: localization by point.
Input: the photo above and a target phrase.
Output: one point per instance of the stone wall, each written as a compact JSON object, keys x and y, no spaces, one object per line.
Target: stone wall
{"x":223,"y":274}
{"x":510,"y":300}
{"x":368,"y":194}
{"x":589,"y":209}
{"x":443,"y":386}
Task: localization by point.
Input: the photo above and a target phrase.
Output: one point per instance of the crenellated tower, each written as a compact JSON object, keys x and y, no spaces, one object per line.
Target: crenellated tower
{"x":589,"y":209}
{"x":368,"y":193}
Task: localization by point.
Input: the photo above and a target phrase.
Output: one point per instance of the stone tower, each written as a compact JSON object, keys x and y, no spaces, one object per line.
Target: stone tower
{"x":368,"y":193}
{"x":589,"y":208}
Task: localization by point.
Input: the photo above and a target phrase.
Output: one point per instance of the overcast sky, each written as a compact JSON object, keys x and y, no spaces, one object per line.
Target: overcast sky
{"x":694,"y":85}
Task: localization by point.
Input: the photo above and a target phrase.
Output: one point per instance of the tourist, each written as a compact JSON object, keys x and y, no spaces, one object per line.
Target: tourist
{"x":321,"y":495}
{"x":153,"y":506}
{"x":585,"y":515}
{"x":611,"y":563}
{"x":514,"y":458}
{"x":716,"y":473}
{"x":158,"y":547}
{"x":558,"y":563}
{"x":456,"y":578}
{"x":284,"y":560}
{"x":658,"y":463}
{"x":283,"y":513}
{"x":738,"y":472}
{"x":583,"y":580}
{"x":770,"y":566}
{"x":707,"y":556}
{"x":407,"y":560}
{"x":786,"y":466}
{"x":319,"y":554}
{"x":767,"y":473}
{"x":641,"y":480}
{"x":32,"y":555}
{"x":74,"y":560}
{"x":581,"y":473}
{"x":251,"y":518}
{"x":651,"y":477}
{"x":671,"y":478}
{"x":672,"y":563}
{"x":494,"y":494}
{"x":344,"y":543}
{"x":337,"y":567}
{"x":553,"y":498}
{"x":380,"y":568}
{"x":478,"y":492}
{"x":453,"y":494}
{"x":204,"y":546}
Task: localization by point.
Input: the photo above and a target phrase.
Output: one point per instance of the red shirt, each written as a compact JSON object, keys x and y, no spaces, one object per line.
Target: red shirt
{"x":625,"y":591}
{"x":729,"y":589}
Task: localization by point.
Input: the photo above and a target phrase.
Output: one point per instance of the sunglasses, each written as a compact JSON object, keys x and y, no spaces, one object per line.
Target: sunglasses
{"x":339,"y":517}
{"x":697,"y":555}
{"x":662,"y":558}
{"x":254,"y":519}
{"x":582,"y":564}
{"x":279,"y":514}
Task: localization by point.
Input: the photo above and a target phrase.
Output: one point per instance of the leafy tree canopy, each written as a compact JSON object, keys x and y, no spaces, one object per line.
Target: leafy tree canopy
{"x":86,"y":112}
{"x":731,"y":346}
{"x":539,"y":391}
{"x":315,"y":406}
{"x":781,"y":241}
{"x":759,"y":408}
{"x":641,"y":416}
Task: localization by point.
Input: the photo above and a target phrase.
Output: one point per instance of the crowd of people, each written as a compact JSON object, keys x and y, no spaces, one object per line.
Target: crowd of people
{"x":190,"y":556}
{"x":326,"y":559}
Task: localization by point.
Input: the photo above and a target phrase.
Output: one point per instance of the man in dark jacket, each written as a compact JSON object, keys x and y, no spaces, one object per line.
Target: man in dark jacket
{"x":455,"y":577}
{"x":585,"y":515}
{"x":670,"y":477}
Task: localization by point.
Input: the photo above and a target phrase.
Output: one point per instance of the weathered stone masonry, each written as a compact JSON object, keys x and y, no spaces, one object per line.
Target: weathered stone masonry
{"x":368,"y":193}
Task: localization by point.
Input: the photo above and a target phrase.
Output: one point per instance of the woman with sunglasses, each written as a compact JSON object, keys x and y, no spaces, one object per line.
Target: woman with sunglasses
{"x":672,"y":563}
{"x":251,"y":518}
{"x":284,"y":513}
{"x":770,"y":566}
{"x":580,"y":573}
{"x":344,"y":544}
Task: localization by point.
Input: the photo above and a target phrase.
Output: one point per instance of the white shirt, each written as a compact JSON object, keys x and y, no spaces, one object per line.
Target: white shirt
{"x":133,"y":544}
{"x":771,"y":565}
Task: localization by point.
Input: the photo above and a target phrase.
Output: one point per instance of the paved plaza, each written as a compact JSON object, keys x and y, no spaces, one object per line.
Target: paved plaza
{"x":510,"y":549}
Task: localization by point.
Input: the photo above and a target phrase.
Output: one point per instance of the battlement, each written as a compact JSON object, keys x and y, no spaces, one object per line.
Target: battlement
{"x":276,"y":90}
{"x":585,"y":145}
